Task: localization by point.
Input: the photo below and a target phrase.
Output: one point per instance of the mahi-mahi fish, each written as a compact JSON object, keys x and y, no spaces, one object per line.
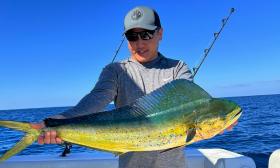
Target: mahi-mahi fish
{"x":175,"y":115}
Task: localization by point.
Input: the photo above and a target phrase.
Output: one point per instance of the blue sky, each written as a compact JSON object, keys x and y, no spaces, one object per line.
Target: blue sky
{"x":52,"y":51}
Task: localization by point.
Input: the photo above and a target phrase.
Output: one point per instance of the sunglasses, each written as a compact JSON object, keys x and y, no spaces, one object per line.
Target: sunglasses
{"x":144,"y":35}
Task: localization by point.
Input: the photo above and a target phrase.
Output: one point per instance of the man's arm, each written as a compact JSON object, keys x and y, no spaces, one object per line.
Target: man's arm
{"x":183,"y":71}
{"x":103,"y":93}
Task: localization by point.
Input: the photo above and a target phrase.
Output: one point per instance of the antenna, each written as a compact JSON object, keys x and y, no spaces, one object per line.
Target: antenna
{"x":207,"y":50}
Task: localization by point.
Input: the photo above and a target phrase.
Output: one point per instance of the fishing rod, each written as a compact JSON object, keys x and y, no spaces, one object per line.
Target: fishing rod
{"x":68,"y":146}
{"x":207,"y":50}
{"x":118,"y":49}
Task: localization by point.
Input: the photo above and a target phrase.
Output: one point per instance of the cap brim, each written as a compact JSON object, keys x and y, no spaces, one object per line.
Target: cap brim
{"x":147,"y":27}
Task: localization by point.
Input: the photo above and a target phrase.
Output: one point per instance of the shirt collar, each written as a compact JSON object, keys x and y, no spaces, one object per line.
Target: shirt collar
{"x":148,"y":64}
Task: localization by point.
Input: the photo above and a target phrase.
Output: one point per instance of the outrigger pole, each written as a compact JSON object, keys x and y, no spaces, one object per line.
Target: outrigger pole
{"x":207,"y":50}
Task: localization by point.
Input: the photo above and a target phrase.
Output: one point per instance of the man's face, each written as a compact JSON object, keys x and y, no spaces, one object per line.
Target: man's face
{"x":144,"y":50}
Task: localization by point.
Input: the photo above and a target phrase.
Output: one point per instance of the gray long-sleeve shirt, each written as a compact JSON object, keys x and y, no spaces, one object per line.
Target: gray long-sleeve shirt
{"x":124,"y":82}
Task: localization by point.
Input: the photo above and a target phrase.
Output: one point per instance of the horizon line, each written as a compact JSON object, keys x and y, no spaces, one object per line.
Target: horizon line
{"x":68,"y":106}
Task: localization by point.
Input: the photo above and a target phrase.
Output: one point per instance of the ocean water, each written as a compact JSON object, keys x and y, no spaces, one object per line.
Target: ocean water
{"x":257,"y":134}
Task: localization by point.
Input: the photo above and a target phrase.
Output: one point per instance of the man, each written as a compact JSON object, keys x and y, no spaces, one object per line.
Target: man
{"x":124,"y":82}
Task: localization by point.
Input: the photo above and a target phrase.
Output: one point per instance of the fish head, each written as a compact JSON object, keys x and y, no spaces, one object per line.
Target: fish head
{"x":215,"y":116}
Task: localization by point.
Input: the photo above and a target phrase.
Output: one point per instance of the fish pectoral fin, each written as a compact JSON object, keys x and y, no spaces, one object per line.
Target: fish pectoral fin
{"x":190,"y":134}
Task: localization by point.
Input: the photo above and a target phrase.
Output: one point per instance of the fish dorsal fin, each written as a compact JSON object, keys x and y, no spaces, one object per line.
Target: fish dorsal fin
{"x":170,"y":95}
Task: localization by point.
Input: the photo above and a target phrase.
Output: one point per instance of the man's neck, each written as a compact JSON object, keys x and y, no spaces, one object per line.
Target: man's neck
{"x":146,"y":62}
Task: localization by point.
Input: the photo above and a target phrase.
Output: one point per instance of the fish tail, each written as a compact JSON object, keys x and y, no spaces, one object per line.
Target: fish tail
{"x":28,"y":139}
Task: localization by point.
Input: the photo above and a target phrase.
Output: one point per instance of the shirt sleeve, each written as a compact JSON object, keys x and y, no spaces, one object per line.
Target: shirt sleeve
{"x":102,"y":94}
{"x":183,"y":71}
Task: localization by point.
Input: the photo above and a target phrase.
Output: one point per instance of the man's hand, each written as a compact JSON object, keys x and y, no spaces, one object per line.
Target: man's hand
{"x":48,"y":137}
{"x":230,"y":127}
